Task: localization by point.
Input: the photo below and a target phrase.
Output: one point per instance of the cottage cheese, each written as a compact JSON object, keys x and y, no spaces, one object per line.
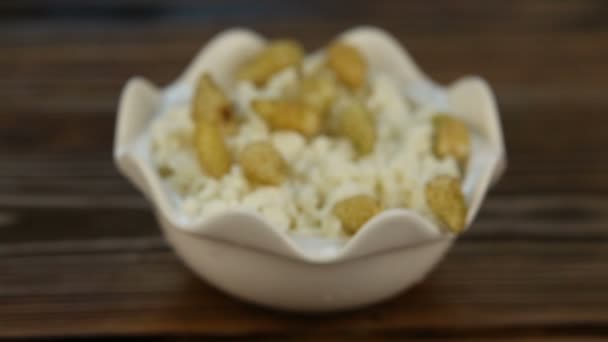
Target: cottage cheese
{"x":323,"y":169}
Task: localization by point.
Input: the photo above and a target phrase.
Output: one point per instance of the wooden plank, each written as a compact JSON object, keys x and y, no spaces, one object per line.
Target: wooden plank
{"x":491,"y":16}
{"x":38,"y":228}
{"x":482,"y":288}
{"x":548,"y":59}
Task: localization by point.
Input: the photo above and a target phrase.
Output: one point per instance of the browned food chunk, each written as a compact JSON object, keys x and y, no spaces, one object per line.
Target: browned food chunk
{"x":211,"y":104}
{"x":451,"y":138}
{"x":348,"y":64}
{"x":213,"y":155}
{"x":356,"y":124}
{"x":289,"y":115}
{"x":354,"y":211}
{"x":263,"y":164}
{"x":318,"y":90}
{"x":446,"y":201}
{"x":165,"y":171}
{"x":277,"y":56}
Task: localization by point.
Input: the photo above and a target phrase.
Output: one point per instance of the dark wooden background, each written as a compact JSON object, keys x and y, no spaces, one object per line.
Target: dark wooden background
{"x":81,"y":254}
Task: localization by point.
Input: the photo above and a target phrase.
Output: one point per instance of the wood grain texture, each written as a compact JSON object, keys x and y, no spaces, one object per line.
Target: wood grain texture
{"x":482,"y":287}
{"x":81,"y":254}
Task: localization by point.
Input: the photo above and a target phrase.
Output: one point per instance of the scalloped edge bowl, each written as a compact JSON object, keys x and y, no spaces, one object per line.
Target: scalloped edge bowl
{"x":242,"y":254}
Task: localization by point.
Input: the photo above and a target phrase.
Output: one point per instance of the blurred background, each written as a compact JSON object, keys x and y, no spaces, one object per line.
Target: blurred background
{"x":80,"y":252}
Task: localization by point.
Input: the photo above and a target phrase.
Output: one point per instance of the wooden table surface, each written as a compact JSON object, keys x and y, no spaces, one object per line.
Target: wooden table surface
{"x":81,"y":254}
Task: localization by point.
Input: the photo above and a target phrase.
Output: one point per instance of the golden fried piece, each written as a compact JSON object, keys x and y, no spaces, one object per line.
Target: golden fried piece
{"x":356,"y":124}
{"x":165,"y":171}
{"x":446,"y":201}
{"x":276,"y":56}
{"x":263,"y":164}
{"x":289,"y":115}
{"x":211,"y":104}
{"x":348,"y":64}
{"x":354,"y":211}
{"x":451,"y":138}
{"x":213,"y":155}
{"x":318,"y":90}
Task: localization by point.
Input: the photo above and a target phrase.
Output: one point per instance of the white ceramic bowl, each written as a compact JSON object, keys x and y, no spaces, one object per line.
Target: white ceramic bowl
{"x":241,"y":253}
